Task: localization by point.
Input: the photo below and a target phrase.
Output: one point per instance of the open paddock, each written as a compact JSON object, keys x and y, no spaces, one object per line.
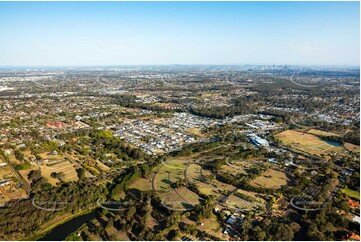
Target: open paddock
{"x":193,"y":173}
{"x":168,"y":173}
{"x":205,"y":185}
{"x":65,"y":167}
{"x":181,"y":199}
{"x":309,"y":143}
{"x":236,"y":167}
{"x":352,"y":147}
{"x":141,"y":184}
{"x":271,"y":179}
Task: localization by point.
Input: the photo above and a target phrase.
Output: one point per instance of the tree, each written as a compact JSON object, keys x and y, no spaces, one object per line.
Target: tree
{"x":34,"y":175}
{"x":314,"y":234}
{"x":81,"y":173}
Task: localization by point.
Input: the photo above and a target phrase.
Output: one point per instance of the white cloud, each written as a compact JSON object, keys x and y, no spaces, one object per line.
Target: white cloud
{"x":306,"y":47}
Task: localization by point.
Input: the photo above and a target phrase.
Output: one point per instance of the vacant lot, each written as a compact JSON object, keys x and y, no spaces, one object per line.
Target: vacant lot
{"x":309,"y":143}
{"x":271,"y":179}
{"x":5,"y":172}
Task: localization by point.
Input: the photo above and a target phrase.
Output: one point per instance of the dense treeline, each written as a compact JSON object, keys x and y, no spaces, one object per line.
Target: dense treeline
{"x":328,"y":224}
{"x":239,"y":106}
{"x":123,"y":182}
{"x":102,"y":142}
{"x":195,"y":147}
{"x":22,"y":218}
{"x":352,"y":137}
{"x":270,"y":229}
{"x":129,"y":101}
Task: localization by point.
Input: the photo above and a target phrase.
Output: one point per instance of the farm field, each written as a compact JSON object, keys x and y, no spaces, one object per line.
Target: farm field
{"x":102,"y":166}
{"x":271,"y":179}
{"x":65,"y":166}
{"x":236,"y":202}
{"x":309,"y":143}
{"x":122,"y":236}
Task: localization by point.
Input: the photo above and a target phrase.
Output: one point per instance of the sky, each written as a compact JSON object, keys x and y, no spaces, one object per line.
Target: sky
{"x":156,"y":33}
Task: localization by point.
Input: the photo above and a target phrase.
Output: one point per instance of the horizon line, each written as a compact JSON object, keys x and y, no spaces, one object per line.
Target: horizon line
{"x":116,"y":65}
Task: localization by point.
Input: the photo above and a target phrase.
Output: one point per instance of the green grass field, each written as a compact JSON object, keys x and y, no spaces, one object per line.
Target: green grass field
{"x":172,"y":169}
{"x":351,"y":193}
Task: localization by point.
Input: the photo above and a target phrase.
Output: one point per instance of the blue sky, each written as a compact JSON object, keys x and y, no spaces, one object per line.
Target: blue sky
{"x":139,"y":33}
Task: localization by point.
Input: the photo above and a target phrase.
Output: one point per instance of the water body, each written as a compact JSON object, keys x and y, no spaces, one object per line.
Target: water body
{"x":334,"y":143}
{"x":63,"y":230}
